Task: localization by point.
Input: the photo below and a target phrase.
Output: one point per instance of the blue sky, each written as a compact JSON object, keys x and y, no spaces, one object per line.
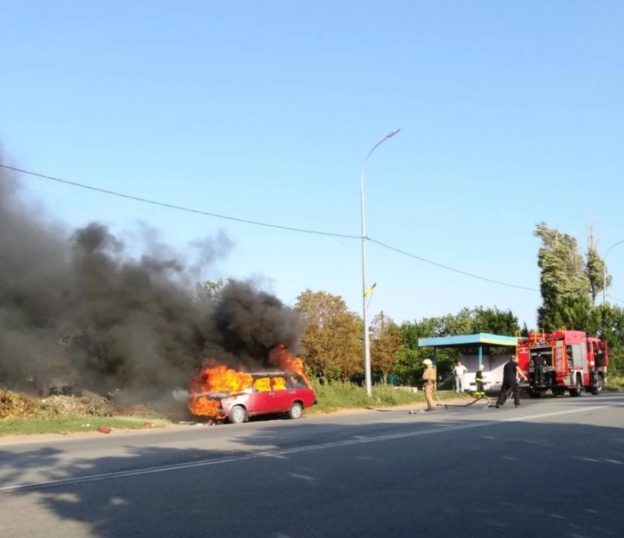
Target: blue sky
{"x":511,"y":113}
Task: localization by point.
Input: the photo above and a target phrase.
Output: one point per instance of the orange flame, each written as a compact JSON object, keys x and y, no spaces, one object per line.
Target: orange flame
{"x":203,"y":406}
{"x":281,"y":358}
{"x":215,"y":378}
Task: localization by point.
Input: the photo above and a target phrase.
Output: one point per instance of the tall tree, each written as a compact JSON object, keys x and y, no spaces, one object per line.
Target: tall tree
{"x":385,"y":343}
{"x":564,"y":283}
{"x":595,"y":269}
{"x":331,"y":345}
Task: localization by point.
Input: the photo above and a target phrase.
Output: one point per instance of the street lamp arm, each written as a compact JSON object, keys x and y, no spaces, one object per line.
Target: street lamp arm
{"x":612,"y":247}
{"x":367,"y":362}
{"x":389,"y":135}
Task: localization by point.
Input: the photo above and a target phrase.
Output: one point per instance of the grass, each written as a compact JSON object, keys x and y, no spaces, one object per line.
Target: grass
{"x":72,"y":424}
{"x":336,"y":395}
{"x":615,"y":382}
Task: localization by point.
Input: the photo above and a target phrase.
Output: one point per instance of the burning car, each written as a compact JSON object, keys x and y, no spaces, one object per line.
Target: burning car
{"x":220,"y":392}
{"x":260,"y":393}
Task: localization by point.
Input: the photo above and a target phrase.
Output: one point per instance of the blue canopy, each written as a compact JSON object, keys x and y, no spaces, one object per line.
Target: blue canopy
{"x":468,"y":340}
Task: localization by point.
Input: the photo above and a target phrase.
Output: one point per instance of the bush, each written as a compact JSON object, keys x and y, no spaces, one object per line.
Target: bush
{"x":615,"y":382}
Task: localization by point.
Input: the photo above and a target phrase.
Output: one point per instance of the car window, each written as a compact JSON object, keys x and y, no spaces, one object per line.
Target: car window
{"x":296,"y":382}
{"x":279,"y":383}
{"x":262,"y":384}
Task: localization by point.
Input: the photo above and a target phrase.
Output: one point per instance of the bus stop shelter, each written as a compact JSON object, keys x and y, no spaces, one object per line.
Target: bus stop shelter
{"x":479,"y":341}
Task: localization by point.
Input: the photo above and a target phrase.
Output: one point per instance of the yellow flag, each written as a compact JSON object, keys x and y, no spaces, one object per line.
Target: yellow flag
{"x":370,"y":290}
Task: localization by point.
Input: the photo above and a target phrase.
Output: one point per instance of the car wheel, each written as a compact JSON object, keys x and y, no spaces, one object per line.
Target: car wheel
{"x":296,"y":410}
{"x":237,"y":415}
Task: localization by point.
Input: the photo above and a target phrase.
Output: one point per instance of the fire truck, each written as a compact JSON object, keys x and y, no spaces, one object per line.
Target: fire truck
{"x":563,"y":361}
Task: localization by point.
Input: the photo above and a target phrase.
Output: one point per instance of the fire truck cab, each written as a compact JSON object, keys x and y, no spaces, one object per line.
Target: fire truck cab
{"x":564,"y":361}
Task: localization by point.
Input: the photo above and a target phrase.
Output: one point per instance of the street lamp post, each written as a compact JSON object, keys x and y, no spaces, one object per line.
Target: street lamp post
{"x":604,"y":271}
{"x":367,"y":362}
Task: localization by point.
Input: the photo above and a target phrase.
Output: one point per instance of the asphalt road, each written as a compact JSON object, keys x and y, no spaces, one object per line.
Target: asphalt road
{"x":550,"y":467}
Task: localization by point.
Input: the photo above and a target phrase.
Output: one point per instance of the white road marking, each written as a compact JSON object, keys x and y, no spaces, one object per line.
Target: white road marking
{"x":555,"y":413}
{"x":281,"y":452}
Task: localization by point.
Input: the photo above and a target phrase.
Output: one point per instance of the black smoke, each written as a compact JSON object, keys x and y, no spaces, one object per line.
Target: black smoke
{"x":77,"y":308}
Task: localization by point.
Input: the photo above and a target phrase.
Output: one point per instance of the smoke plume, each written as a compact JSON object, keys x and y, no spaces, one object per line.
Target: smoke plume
{"x":76,"y":308}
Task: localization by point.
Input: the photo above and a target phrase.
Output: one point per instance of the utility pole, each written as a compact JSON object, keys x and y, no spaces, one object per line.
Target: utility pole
{"x":367,"y":362}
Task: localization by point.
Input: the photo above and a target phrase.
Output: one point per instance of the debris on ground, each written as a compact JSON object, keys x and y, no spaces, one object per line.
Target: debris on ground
{"x":13,"y":404}
{"x":17,"y":404}
{"x":87,"y":404}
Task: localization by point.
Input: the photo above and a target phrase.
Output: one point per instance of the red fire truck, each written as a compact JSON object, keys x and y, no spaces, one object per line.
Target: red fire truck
{"x":563,"y":361}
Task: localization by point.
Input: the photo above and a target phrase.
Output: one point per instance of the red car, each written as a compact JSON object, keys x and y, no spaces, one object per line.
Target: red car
{"x":270,"y":392}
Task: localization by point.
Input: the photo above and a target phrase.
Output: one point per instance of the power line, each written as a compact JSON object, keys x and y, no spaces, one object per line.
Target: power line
{"x":178,"y":207}
{"x":259,"y":223}
{"x":448,"y":268}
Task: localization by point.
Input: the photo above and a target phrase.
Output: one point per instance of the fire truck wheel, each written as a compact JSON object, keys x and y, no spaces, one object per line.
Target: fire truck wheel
{"x":296,"y":410}
{"x":578,"y":388}
{"x":237,"y":415}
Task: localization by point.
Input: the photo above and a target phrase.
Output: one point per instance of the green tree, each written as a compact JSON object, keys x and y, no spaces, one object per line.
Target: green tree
{"x":331,"y":344}
{"x":564,"y":284}
{"x":492,"y":320}
{"x":607,"y":321}
{"x":385,"y":343}
{"x":594,"y":269}
{"x":409,"y":355}
{"x":410,"y":367}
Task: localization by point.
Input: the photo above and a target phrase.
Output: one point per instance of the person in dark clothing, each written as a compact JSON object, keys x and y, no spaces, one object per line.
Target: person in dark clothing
{"x":539,"y":369}
{"x":510,"y":382}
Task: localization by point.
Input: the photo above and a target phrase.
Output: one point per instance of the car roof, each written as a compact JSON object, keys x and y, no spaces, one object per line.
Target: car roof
{"x":272,"y":373}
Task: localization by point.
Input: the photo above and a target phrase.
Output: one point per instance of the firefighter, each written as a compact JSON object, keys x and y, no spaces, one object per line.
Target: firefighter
{"x":510,"y":382}
{"x":429,"y":379}
{"x":480,"y":381}
{"x":539,"y":368}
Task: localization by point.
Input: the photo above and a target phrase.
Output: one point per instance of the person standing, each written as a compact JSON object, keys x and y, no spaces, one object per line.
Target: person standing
{"x":480,"y":382}
{"x":429,"y":379}
{"x":458,"y":374}
{"x":539,"y":368}
{"x":511,"y":372}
